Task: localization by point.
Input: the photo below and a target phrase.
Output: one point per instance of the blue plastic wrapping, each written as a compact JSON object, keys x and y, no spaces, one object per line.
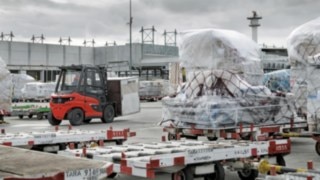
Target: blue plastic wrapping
{"x":278,"y":80}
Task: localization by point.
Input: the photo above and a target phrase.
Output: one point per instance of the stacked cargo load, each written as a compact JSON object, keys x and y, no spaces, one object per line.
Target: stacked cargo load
{"x":155,"y":89}
{"x":38,"y":90}
{"x":304,"y":55}
{"x":18,"y":82}
{"x":224,"y":85}
{"x":5,"y":88}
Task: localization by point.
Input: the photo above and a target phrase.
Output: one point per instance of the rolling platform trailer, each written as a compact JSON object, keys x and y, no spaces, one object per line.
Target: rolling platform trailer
{"x":53,"y":141}
{"x":186,"y":159}
{"x":30,"y":111}
{"x":23,"y":164}
{"x":258,"y":133}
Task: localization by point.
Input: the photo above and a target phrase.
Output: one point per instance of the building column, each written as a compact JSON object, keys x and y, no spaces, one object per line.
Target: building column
{"x":42,"y":76}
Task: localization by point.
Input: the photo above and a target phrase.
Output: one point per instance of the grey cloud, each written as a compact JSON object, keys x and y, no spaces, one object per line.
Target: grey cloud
{"x":107,"y":19}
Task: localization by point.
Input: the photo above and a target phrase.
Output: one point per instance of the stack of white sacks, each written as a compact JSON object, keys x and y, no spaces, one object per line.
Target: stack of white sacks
{"x":224,"y":84}
{"x":304,"y":56}
{"x":5,"y":87}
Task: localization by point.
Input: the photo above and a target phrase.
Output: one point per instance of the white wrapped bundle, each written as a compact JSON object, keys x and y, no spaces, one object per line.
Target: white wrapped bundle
{"x":221,"y":49}
{"x":156,"y":88}
{"x":19,"y":80}
{"x":5,"y":87}
{"x":38,"y":90}
{"x":304,"y":43}
{"x":304,"y":56}
{"x":150,"y":88}
{"x":49,"y":88}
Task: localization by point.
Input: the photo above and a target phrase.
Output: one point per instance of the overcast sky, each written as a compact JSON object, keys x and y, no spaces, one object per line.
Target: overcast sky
{"x":106,"y":20}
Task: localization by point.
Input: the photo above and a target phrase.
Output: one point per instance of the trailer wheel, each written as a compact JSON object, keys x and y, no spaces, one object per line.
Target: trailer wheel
{"x":39,"y":116}
{"x":112,"y":175}
{"x":108,"y":114}
{"x":30,"y":116}
{"x":184,"y":174}
{"x":318,"y":148}
{"x":172,"y":136}
{"x":210,"y":138}
{"x":76,"y":117}
{"x":280,"y":161}
{"x":248,"y":174}
{"x":20,"y":116}
{"x":219,"y":173}
{"x":52,"y":120}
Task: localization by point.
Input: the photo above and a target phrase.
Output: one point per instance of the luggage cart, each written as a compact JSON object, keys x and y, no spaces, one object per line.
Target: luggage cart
{"x":185,"y":159}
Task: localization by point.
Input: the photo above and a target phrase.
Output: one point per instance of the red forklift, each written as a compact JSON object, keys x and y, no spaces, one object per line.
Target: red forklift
{"x":83,"y":93}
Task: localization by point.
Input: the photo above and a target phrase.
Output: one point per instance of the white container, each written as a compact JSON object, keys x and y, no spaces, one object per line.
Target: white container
{"x":125,"y":92}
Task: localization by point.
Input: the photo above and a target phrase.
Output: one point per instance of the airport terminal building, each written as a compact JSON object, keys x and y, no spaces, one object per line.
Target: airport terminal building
{"x":149,"y":61}
{"x":42,"y":60}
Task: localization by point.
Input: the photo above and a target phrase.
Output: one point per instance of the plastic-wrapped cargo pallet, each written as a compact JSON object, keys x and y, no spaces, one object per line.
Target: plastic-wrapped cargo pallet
{"x":154,"y":89}
{"x":304,"y":55}
{"x":224,"y":85}
{"x":18,"y":81}
{"x":5,"y":87}
{"x":38,"y":90}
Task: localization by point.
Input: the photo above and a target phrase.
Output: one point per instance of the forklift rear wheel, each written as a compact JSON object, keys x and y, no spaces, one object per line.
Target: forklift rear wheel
{"x":30,"y":116}
{"x":76,"y":117}
{"x":108,"y":114}
{"x":20,"y":116}
{"x":219,"y":173}
{"x":52,"y":120}
{"x":318,"y":148}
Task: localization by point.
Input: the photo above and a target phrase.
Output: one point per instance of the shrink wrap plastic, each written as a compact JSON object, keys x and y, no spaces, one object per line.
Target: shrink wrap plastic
{"x":156,"y":88}
{"x":38,"y":90}
{"x":19,"y":80}
{"x":304,"y":55}
{"x":221,"y":49}
{"x":278,"y":80}
{"x":5,"y":87}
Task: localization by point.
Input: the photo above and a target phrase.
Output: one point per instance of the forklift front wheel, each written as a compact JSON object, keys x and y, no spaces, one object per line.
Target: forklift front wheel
{"x":108,"y":114}
{"x":76,"y":117}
